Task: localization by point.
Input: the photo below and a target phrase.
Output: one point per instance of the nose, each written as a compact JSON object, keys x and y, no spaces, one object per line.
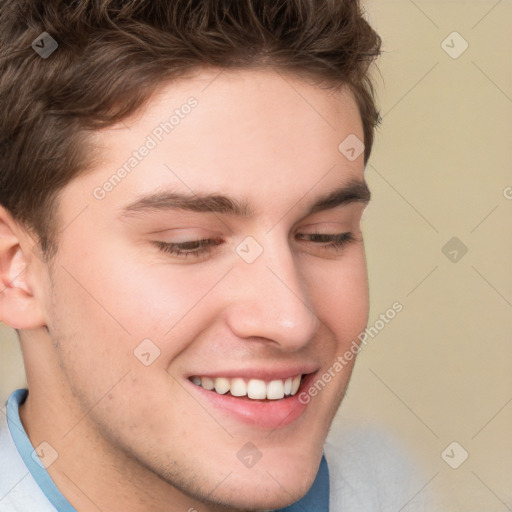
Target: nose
{"x":270,"y":299}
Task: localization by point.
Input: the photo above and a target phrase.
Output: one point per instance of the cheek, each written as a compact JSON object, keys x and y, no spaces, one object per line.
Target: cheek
{"x":105,"y":305}
{"x":339,"y":292}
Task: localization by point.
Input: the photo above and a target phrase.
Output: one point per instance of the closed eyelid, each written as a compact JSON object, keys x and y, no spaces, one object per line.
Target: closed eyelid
{"x":204,"y":247}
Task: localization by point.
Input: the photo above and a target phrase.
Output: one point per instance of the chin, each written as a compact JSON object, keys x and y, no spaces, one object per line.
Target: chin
{"x":275,"y":484}
{"x":259,"y":497}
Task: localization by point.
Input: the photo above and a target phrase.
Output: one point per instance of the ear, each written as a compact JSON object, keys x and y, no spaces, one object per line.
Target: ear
{"x":20,"y":306}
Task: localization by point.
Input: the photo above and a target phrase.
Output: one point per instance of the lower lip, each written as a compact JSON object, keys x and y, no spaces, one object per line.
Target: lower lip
{"x":267,"y":414}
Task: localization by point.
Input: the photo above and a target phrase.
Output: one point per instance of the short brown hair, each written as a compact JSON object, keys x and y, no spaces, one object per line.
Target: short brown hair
{"x":113,"y":54}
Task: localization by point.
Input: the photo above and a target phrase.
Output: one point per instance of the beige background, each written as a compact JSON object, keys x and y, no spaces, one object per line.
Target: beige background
{"x":441,"y":371}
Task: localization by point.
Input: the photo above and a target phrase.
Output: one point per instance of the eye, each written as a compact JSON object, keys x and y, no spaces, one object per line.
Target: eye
{"x":194,"y":248}
{"x":330,"y":241}
{"x":197,"y":248}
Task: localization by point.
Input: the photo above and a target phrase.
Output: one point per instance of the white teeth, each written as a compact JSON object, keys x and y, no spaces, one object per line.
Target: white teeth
{"x":255,"y":389}
{"x":275,"y":390}
{"x":295,"y":384}
{"x":222,"y":385}
{"x":207,"y":383}
{"x":238,"y":387}
{"x":288,"y":386}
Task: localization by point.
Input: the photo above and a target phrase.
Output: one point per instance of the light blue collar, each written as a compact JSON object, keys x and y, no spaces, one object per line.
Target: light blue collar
{"x":316,"y":499}
{"x":29,"y":456}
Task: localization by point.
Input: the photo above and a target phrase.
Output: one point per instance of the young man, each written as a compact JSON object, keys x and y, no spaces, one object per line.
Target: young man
{"x":182,"y":185}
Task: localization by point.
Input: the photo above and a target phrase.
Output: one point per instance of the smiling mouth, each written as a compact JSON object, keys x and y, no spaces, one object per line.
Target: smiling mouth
{"x":253,"y":389}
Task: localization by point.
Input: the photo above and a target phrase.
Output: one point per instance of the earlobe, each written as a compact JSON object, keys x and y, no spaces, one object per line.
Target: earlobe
{"x":20,"y":306}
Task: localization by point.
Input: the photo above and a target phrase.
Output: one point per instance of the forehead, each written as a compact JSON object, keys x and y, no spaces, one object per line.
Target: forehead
{"x":256,"y":133}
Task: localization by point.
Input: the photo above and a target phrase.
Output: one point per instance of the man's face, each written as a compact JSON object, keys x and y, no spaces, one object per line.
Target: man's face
{"x":136,"y":328}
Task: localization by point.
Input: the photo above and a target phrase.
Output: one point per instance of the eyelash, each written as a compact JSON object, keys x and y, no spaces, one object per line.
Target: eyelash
{"x":203,"y":246}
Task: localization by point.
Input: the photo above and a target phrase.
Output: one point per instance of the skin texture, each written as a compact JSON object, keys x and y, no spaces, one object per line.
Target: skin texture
{"x":132,"y":437}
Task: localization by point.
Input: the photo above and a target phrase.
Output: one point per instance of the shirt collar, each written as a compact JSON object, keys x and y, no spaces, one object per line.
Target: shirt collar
{"x":28,"y":454}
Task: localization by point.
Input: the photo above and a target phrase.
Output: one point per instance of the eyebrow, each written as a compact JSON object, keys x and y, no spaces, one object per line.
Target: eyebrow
{"x":353,"y":191}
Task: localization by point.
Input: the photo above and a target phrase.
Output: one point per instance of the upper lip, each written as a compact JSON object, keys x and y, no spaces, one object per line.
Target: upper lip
{"x":261,"y":373}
